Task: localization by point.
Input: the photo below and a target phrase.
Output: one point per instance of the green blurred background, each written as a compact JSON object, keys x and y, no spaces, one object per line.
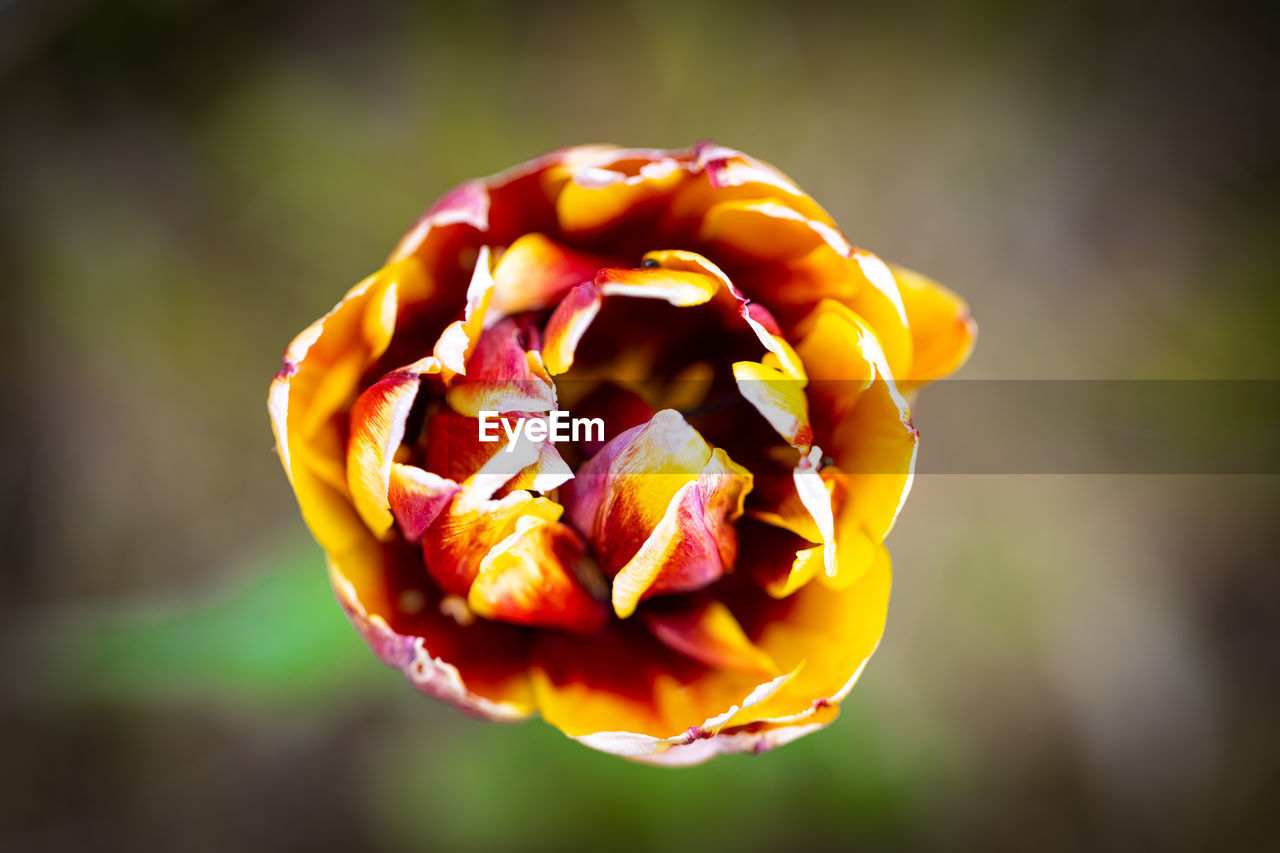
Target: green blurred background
{"x":1070,"y":662}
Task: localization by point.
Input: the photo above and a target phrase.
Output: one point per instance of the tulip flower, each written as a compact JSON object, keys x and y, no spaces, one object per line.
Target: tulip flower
{"x":701,"y":568}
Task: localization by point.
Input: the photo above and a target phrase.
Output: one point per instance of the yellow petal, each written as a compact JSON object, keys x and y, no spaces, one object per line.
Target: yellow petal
{"x":767,"y":229}
{"x":778,"y":397}
{"x":942,"y":332}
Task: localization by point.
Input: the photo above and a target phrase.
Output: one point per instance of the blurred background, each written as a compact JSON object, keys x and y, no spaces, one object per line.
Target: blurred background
{"x":1070,"y":661}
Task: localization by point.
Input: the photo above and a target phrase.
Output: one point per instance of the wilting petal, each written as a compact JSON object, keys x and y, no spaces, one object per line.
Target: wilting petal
{"x":708,"y":632}
{"x":528,"y":579}
{"x":535,"y":273}
{"x":942,"y":332}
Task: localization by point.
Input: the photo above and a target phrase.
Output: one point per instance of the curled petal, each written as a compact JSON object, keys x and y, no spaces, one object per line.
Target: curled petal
{"x":729,"y":175}
{"x":572,"y":317}
{"x":460,"y":337}
{"x":377,"y":428}
{"x":778,"y":397}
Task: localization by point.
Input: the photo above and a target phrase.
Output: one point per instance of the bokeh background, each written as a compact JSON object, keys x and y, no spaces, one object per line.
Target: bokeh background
{"x":1071,"y":662}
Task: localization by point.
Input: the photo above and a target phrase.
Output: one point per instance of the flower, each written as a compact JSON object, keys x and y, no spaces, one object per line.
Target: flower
{"x":704,"y":575}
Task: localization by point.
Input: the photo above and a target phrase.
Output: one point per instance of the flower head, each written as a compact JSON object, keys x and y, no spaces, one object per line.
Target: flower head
{"x":704,"y":571}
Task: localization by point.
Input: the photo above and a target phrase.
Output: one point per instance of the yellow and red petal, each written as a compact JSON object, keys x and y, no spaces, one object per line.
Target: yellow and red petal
{"x":826,"y":634}
{"x":460,"y":337}
{"x":456,"y":543}
{"x":693,"y":544}
{"x":729,"y":175}
{"x":504,"y":374}
{"x":867,"y":425}
{"x":622,"y":493}
{"x":416,"y":498}
{"x":779,"y":398}
{"x":535,"y":272}
{"x":377,"y":428}
{"x":529,"y":579}
{"x":568,"y":323}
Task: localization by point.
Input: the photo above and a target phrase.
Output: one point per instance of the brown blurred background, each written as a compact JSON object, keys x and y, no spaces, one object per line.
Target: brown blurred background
{"x":1071,"y":662}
